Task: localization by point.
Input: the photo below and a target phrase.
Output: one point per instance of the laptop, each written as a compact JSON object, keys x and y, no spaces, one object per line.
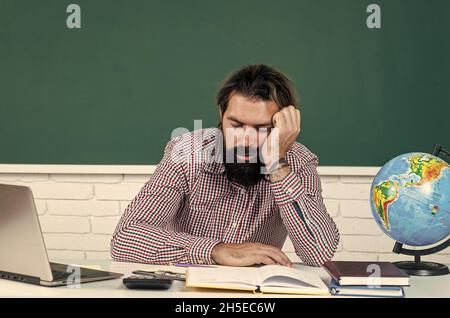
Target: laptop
{"x":23,"y":256}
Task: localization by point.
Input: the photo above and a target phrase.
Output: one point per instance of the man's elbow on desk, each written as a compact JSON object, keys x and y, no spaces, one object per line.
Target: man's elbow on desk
{"x":120,"y":251}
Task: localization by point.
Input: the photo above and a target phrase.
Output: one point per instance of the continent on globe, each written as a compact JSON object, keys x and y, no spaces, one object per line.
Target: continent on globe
{"x":426,"y":168}
{"x":384,"y":194}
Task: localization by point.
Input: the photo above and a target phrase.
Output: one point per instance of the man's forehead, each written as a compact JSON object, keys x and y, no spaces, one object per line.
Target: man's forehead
{"x":250,"y":111}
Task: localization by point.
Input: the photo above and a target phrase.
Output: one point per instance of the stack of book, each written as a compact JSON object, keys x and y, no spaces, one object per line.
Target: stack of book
{"x":366,"y":279}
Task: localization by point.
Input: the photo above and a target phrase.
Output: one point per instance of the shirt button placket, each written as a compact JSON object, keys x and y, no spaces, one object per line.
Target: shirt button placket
{"x":235,"y":217}
{"x":240,"y":211}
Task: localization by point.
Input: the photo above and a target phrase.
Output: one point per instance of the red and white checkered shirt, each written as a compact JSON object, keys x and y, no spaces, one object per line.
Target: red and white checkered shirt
{"x":188,"y":206}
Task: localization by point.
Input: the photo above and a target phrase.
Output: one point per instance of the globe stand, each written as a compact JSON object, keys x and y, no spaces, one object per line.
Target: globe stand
{"x":419,"y":267}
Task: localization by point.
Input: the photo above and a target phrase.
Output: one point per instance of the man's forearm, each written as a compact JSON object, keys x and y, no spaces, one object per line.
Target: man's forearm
{"x":149,"y":244}
{"x":310,"y":228}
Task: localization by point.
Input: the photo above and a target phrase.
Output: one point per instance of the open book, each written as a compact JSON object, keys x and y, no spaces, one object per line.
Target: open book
{"x":265,"y":279}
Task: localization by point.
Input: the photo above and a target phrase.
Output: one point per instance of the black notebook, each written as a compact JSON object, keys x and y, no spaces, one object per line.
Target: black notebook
{"x":366,"y":273}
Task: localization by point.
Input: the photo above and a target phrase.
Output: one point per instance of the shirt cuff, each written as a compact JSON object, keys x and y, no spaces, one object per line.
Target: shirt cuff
{"x":288,"y":189}
{"x":201,"y":250}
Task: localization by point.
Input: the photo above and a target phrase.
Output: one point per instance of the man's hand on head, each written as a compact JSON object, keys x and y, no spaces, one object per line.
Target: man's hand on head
{"x":248,"y":254}
{"x":287,"y":126}
{"x":287,"y":123}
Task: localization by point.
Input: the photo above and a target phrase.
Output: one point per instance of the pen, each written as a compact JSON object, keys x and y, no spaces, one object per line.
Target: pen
{"x":162,"y":274}
{"x":193,"y":265}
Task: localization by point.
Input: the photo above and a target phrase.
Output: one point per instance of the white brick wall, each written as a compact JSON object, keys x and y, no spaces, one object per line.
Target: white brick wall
{"x":78,"y":213}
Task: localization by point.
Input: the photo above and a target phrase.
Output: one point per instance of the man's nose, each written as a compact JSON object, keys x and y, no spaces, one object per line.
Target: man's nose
{"x":250,"y":137}
{"x":246,"y":140}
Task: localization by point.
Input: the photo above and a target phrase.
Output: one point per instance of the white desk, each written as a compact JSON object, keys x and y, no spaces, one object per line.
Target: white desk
{"x":420,"y":286}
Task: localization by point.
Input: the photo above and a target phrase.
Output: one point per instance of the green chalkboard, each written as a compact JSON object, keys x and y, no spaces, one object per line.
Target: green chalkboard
{"x":113,"y":91}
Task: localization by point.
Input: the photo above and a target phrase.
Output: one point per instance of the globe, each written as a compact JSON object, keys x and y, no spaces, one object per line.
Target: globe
{"x":410,"y":199}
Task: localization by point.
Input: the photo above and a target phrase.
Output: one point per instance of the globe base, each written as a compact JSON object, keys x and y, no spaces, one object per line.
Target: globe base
{"x":422,"y":268}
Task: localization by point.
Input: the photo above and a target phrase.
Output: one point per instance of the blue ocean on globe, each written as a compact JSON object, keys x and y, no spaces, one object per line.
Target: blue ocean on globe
{"x":410,"y":199}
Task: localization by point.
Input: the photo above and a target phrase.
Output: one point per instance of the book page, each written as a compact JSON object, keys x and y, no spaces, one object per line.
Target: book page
{"x":223,"y":275}
{"x":282,"y":276}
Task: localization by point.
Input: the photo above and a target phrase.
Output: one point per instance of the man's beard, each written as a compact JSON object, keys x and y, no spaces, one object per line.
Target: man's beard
{"x":242,"y":172}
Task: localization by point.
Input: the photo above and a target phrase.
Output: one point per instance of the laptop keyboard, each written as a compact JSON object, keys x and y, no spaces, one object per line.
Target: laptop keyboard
{"x":62,"y":271}
{"x":57,"y":275}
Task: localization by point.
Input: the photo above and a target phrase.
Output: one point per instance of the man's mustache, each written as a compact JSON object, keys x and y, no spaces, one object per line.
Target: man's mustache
{"x":232,"y":153}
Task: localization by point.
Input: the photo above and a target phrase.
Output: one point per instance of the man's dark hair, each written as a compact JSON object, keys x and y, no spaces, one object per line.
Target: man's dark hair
{"x":259,"y":82}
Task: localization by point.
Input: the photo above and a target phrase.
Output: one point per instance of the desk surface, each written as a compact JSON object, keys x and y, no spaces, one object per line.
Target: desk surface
{"x":420,"y":286}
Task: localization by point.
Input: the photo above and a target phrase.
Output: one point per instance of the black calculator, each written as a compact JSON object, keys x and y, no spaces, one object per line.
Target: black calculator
{"x":146,"y":282}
